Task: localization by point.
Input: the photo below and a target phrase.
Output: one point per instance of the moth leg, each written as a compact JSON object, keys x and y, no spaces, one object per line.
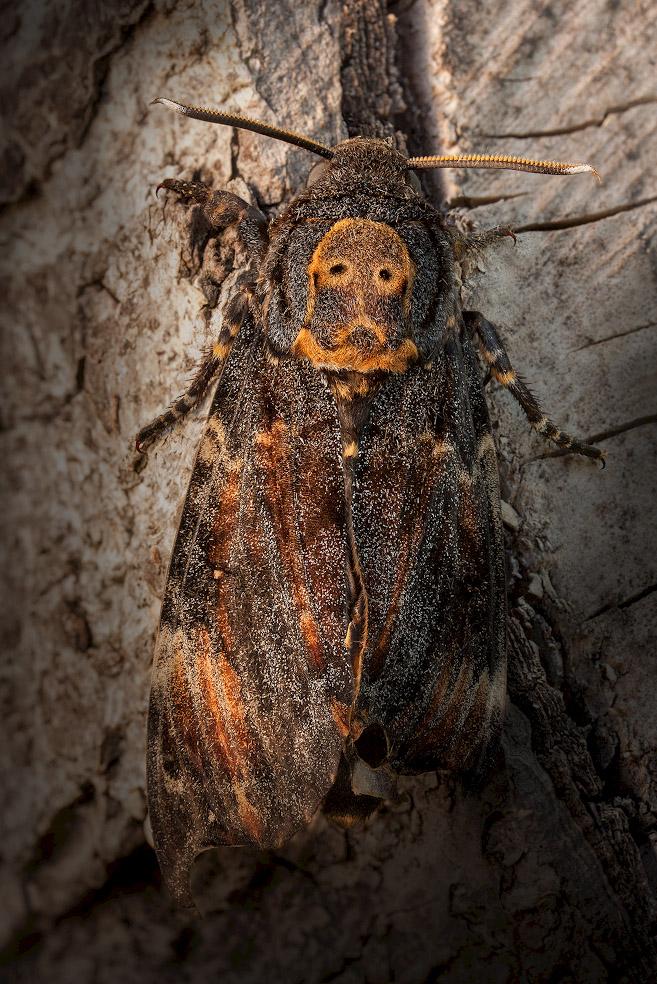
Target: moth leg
{"x":493,"y":351}
{"x":221,"y":209}
{"x":210,"y":367}
{"x":477,"y":242}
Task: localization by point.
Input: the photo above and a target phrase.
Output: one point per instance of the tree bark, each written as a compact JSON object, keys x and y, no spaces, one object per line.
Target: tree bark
{"x":548,"y":874}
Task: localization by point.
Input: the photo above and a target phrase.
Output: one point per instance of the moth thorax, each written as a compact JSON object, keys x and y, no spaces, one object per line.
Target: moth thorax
{"x":360,"y":283}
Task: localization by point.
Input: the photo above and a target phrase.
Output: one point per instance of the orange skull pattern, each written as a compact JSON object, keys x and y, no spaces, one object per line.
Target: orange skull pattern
{"x":360,"y":283}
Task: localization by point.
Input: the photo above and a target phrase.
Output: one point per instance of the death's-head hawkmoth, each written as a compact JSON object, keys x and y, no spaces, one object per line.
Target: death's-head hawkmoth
{"x":335,"y":609}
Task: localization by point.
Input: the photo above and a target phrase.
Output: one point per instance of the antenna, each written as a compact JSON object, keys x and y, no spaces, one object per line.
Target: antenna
{"x":244,"y":123}
{"x":507,"y":163}
{"x":415,"y":163}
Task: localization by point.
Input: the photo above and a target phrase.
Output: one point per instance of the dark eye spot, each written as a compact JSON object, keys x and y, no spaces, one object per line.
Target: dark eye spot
{"x":385,"y":274}
{"x":317,"y":171}
{"x":414,"y":182}
{"x":337,"y":269}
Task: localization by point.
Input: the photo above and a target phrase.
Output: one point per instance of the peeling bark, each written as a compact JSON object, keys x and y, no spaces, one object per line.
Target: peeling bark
{"x":550,"y":874}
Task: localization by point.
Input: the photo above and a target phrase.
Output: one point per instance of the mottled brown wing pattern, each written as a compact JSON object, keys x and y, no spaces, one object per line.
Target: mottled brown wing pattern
{"x":335,"y":611}
{"x":428,"y":534}
{"x":251,"y":684}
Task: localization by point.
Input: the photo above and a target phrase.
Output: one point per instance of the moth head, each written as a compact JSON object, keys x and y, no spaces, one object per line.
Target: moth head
{"x":357,"y":156}
{"x":409,"y":165}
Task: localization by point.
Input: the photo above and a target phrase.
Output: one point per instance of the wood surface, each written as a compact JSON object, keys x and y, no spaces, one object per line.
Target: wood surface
{"x":550,"y":873}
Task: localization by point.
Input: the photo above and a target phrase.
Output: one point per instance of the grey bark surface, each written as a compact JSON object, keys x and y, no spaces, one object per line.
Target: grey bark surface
{"x":548,"y":874}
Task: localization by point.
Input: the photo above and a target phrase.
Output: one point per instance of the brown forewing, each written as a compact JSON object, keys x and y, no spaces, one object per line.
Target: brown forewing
{"x":427,"y":531}
{"x":251,"y":681}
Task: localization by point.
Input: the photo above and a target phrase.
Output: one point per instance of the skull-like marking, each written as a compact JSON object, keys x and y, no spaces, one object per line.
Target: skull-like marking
{"x":360,"y":282}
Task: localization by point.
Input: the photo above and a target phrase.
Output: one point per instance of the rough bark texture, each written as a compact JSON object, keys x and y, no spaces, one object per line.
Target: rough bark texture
{"x":550,"y":874}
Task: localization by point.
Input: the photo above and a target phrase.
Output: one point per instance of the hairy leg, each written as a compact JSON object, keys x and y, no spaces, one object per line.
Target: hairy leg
{"x":221,"y":209}
{"x":493,"y":351}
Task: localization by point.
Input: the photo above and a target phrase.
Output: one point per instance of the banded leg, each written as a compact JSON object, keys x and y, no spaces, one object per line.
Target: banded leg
{"x":493,"y":352}
{"x":208,"y":370}
{"x":221,"y":209}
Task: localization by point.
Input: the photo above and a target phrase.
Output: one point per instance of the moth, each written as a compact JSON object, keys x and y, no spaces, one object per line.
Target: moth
{"x":334,"y":614}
